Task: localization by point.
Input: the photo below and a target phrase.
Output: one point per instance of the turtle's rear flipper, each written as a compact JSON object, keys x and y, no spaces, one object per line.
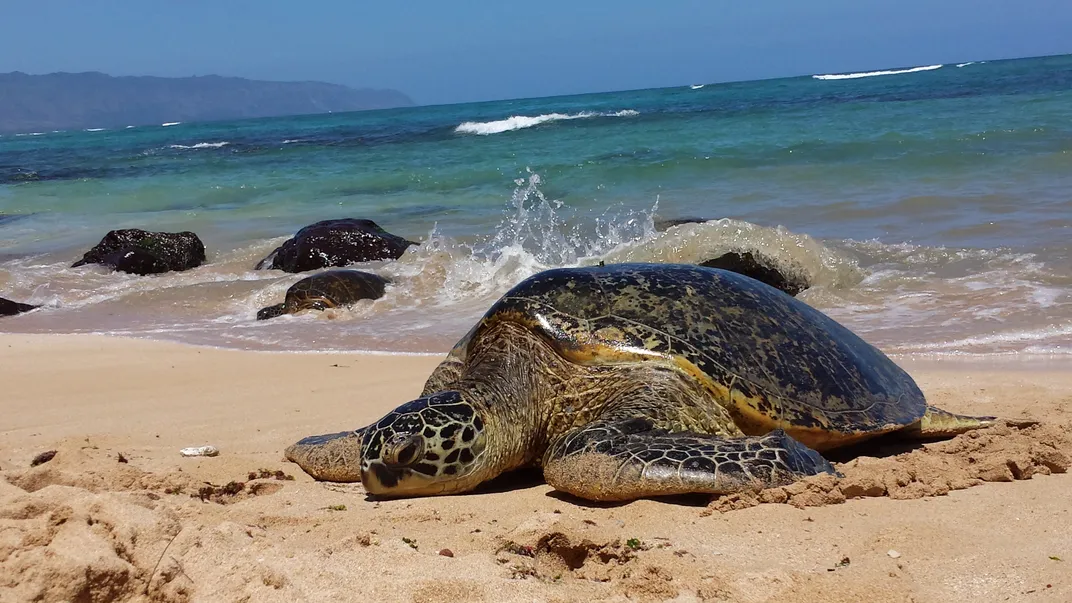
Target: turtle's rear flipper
{"x":625,"y":460}
{"x":938,"y":423}
{"x":333,"y":457}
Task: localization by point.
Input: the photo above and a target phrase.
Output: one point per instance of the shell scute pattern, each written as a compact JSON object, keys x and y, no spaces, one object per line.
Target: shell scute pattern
{"x":334,"y":287}
{"x":780,"y":360}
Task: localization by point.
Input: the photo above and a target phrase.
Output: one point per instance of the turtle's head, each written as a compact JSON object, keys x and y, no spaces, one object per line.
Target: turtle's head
{"x":432,"y":445}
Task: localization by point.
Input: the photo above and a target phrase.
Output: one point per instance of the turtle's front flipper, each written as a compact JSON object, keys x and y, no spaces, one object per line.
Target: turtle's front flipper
{"x":332,"y":457}
{"x":625,"y":460}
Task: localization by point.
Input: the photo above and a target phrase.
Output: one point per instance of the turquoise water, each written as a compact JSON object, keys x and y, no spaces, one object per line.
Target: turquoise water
{"x":931,"y":207}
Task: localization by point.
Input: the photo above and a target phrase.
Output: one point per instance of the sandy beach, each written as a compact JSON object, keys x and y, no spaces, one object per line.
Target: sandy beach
{"x":118,"y":515}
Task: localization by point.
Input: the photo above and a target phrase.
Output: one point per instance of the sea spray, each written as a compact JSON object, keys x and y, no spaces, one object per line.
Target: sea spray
{"x":535,"y":233}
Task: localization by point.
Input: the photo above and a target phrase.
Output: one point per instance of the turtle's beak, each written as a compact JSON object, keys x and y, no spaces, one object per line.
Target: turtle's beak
{"x":333,"y":457}
{"x":383,"y":481}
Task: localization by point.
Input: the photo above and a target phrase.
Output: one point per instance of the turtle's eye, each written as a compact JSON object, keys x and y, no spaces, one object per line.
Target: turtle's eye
{"x":403,"y":450}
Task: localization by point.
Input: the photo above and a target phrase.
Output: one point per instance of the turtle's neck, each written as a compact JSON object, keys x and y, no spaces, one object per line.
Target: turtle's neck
{"x":511,"y":378}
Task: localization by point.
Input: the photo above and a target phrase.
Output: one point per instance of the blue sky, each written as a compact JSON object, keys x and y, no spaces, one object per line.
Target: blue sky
{"x":441,"y":52}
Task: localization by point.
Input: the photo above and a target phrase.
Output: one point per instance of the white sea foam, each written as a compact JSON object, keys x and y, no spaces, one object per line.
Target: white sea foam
{"x":291,"y":140}
{"x":519,"y":122}
{"x":965,"y":64}
{"x":1008,"y":337}
{"x":853,"y":76}
{"x":696,"y":86}
{"x":202,"y":145}
{"x":95,"y":129}
{"x":170,"y":123}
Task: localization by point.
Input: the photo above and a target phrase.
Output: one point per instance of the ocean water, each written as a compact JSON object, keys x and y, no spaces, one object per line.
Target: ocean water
{"x":931,"y":206}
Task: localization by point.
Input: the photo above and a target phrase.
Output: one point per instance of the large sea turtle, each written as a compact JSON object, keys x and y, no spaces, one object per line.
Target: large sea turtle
{"x":634,"y":380}
{"x":329,"y":289}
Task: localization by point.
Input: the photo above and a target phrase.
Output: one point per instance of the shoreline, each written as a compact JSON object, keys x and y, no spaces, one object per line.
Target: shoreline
{"x":1013,"y":361}
{"x":120,"y":514}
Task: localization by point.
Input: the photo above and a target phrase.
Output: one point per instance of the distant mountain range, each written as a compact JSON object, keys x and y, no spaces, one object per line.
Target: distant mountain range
{"x":60,"y":101}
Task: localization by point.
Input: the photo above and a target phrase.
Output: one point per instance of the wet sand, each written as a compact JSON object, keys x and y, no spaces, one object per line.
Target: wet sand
{"x":119,"y":515}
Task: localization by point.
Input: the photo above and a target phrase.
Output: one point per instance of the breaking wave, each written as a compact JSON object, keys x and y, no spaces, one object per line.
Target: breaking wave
{"x":519,"y":122}
{"x":201,"y":145}
{"x":853,"y":76}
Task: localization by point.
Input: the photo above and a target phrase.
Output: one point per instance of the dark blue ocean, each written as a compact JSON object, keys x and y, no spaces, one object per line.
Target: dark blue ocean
{"x":931,"y":206}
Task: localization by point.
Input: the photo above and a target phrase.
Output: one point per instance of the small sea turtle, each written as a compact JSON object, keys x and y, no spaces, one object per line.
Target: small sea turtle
{"x":331,"y":289}
{"x":635,"y":380}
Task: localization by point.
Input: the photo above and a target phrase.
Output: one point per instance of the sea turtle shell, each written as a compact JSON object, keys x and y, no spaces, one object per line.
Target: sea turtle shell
{"x":330,"y":289}
{"x":771,"y":359}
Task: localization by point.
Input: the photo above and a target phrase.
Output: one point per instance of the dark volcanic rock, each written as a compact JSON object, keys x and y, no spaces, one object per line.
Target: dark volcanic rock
{"x":331,"y":289}
{"x":142,"y":252}
{"x":10,"y":308}
{"x":759,"y":268}
{"x":136,"y":260}
{"x":335,"y":243}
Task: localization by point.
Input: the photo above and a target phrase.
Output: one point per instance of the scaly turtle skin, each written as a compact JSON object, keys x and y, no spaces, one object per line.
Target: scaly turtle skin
{"x":331,"y":289}
{"x":636,"y":380}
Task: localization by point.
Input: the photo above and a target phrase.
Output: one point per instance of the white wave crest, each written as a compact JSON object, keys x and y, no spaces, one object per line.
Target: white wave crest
{"x":853,"y":76}
{"x":697,"y":86}
{"x":519,"y":122}
{"x":171,"y":123}
{"x":94,"y":129}
{"x":965,"y":64}
{"x":202,"y":145}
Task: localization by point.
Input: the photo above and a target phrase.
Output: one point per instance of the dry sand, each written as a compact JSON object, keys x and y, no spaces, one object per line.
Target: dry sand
{"x":116,"y":514}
